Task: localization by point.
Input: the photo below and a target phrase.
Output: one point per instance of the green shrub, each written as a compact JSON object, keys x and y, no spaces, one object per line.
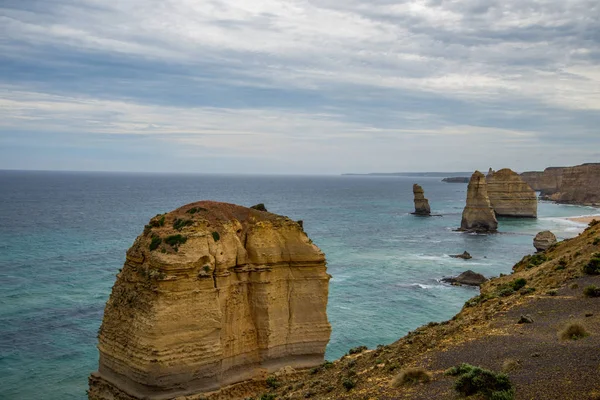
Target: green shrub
{"x":591,"y":291}
{"x":518,"y":283}
{"x":348,"y":383}
{"x":268,"y":396}
{"x":593,"y":267}
{"x":536,"y":259}
{"x":357,"y":350}
{"x":505,"y":291}
{"x":552,"y":292}
{"x":175,"y":240}
{"x":475,"y":380}
{"x":158,"y":221}
{"x":179,"y":223}
{"x":596,"y":241}
{"x":156,"y":241}
{"x":216,"y":236}
{"x":272,"y":382}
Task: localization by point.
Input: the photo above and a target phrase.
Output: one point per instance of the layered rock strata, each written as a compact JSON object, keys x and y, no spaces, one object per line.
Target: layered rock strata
{"x":478,"y":214}
{"x":211,"y":294}
{"x":546,"y":182}
{"x":421,"y":203}
{"x":509,"y":195}
{"x":579,"y":185}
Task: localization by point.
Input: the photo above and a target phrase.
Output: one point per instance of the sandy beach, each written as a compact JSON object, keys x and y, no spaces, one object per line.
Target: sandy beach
{"x":586,"y":219}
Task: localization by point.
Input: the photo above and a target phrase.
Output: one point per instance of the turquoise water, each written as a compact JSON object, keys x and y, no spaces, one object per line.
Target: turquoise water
{"x":63,"y":238}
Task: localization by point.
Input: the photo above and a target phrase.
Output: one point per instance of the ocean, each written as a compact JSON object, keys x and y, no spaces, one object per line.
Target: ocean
{"x":63,"y":237}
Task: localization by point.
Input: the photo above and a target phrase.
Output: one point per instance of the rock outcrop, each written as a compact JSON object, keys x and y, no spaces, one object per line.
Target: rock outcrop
{"x":543,"y":240}
{"x":465,"y":255}
{"x":467,"y":278}
{"x":211,"y":294}
{"x":509,"y":195}
{"x":546,"y":182}
{"x":478,"y":215}
{"x":421,"y":203}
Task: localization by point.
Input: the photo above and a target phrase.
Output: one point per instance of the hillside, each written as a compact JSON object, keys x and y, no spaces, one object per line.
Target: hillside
{"x":548,"y":288}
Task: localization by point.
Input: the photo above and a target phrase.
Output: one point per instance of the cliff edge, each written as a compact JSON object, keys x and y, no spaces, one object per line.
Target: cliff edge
{"x":211,"y":294}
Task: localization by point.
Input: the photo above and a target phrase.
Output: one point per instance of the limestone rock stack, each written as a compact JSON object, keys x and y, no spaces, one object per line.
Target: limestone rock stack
{"x":421,"y":203}
{"x":211,"y":294}
{"x":509,"y":195}
{"x":478,"y":215}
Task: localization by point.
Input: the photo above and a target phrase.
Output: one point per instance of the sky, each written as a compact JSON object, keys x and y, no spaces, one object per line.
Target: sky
{"x":298,"y":87}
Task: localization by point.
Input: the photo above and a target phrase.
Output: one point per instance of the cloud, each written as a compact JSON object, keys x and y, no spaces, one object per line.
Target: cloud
{"x":254,"y":79}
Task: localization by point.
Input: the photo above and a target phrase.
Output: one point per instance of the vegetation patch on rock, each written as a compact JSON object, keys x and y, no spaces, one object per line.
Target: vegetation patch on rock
{"x":473,"y":380}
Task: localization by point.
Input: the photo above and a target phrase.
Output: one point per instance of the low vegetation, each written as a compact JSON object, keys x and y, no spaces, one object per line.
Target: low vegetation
{"x":591,"y":291}
{"x":411,"y":376}
{"x":357,"y":350}
{"x":175,"y":240}
{"x":155,"y":242}
{"x":195,"y":210}
{"x":179,"y":223}
{"x":473,"y":380}
{"x":593,"y":266}
{"x":216,"y":236}
{"x":573,"y":331}
{"x":272,"y":382}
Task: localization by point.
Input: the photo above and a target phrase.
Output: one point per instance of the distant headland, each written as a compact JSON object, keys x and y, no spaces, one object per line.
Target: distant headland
{"x":422,"y":174}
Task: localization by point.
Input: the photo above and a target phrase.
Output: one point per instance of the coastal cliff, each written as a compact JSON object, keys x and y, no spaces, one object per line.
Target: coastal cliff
{"x":519,"y":328}
{"x":571,"y":185}
{"x":478,"y":214}
{"x":579,"y":185}
{"x":510,"y":196}
{"x":546,"y":182}
{"x":211,"y":294}
{"x":421,"y":203}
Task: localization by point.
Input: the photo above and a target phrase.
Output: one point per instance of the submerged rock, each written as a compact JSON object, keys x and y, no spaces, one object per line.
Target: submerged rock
{"x":478,"y":215}
{"x":509,"y":195}
{"x":211,"y":294}
{"x":467,"y":278}
{"x":543,"y":240}
{"x":421,"y":203}
{"x":465,"y":255}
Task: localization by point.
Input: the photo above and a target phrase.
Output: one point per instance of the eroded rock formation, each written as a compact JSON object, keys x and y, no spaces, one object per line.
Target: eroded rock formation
{"x":546,"y":182}
{"x":543,"y":240}
{"x":211,"y":294}
{"x":421,"y":203}
{"x":478,"y":215}
{"x":467,"y":278}
{"x":579,"y":185}
{"x":509,"y":195}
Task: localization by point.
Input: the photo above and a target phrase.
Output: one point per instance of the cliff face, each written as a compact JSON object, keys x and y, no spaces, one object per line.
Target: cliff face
{"x":478,"y":215}
{"x":510,"y":196}
{"x":546,"y":182}
{"x":211,"y":294}
{"x":421,"y":203}
{"x":580,"y":185}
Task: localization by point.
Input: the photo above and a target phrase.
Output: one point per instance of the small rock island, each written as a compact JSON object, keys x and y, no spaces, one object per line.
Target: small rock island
{"x":211,"y":294}
{"x":421,"y":203}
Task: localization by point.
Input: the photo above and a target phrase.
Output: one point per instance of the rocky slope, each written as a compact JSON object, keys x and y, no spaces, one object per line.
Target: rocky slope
{"x":211,"y":294}
{"x":541,"y":362}
{"x":421,"y":203}
{"x":510,"y":196}
{"x":478,"y":215}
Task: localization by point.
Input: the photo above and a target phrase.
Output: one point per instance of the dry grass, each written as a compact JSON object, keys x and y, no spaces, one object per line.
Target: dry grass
{"x":510,"y":364}
{"x":410,"y":376}
{"x":573,"y":331}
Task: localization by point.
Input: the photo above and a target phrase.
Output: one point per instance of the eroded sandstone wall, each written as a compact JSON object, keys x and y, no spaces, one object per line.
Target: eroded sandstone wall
{"x":579,"y":185}
{"x":510,"y":196}
{"x":547,"y":182}
{"x":211,"y":294}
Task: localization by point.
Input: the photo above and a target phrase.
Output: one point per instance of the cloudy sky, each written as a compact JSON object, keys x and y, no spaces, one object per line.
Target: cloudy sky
{"x":298,"y":86}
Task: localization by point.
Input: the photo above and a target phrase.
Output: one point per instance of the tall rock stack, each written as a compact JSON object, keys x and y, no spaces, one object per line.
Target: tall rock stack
{"x":509,"y":195}
{"x":421,"y":203}
{"x":478,"y":215}
{"x":211,"y":294}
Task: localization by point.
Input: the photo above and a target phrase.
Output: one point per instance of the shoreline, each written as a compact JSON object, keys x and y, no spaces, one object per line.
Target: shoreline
{"x":584,"y":219}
